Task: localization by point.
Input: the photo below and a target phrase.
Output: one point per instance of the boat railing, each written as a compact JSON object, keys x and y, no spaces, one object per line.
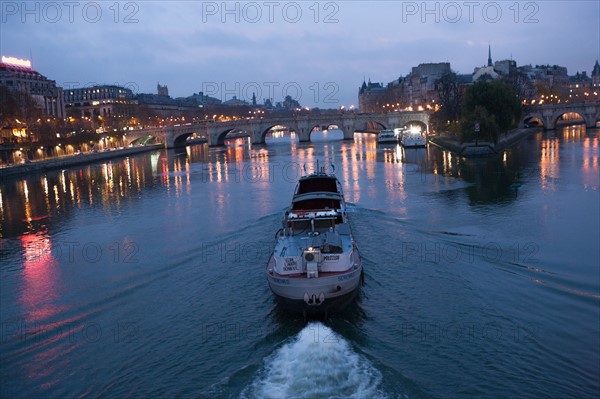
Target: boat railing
{"x":280,"y":233}
{"x":312,"y":214}
{"x":320,"y":170}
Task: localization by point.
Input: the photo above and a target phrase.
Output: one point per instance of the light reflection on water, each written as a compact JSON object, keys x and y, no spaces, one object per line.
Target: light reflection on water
{"x":56,"y":192}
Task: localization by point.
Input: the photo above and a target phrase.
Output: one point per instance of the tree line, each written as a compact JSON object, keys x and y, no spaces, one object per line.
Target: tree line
{"x":482,"y":111}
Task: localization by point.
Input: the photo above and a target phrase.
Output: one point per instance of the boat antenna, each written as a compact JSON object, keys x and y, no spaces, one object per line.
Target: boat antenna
{"x":304,"y":168}
{"x":333,"y":168}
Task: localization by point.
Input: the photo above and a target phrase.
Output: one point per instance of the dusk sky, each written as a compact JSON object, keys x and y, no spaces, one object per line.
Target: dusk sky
{"x":317,"y":52}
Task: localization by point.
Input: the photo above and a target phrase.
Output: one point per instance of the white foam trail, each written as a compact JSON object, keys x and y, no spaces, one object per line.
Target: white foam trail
{"x":317,"y":363}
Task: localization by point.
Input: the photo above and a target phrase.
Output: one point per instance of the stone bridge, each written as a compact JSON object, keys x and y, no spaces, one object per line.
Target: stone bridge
{"x":549,"y":114}
{"x":257,"y":129}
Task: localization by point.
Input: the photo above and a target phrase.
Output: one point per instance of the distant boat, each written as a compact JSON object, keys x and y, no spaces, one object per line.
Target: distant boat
{"x":412,"y":138}
{"x":388,"y":136}
{"x":315,"y":268}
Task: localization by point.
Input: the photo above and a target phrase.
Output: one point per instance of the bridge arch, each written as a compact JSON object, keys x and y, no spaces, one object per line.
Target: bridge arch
{"x":148,"y":139}
{"x":327,"y":126}
{"x":326,"y":135}
{"x":265,"y":131}
{"x":180,"y":140}
{"x":421,"y":124}
{"x":568,"y":115}
{"x":222,"y":136}
{"x":371,"y":125}
{"x":533,"y":120}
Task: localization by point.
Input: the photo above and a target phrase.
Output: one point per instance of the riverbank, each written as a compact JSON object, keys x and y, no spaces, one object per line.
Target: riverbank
{"x":73,"y":160}
{"x":484,"y":148}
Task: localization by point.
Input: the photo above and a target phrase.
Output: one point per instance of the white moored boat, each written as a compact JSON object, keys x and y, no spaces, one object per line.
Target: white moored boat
{"x":315,"y":267}
{"x":412,"y":138}
{"x":388,"y":136}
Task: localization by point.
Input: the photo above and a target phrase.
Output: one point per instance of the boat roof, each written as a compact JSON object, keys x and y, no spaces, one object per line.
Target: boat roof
{"x":318,"y":182}
{"x":316,"y":175}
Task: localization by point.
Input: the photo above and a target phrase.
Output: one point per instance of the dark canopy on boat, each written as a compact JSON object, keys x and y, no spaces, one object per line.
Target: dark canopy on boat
{"x":317,"y":183}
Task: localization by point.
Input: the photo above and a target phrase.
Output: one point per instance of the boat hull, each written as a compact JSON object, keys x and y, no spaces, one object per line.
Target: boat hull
{"x":413,"y":143}
{"x":296,"y":307}
{"x":324,"y":295}
{"x":388,"y":140}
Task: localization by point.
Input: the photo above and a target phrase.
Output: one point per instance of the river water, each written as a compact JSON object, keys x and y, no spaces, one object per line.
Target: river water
{"x":144,"y":277}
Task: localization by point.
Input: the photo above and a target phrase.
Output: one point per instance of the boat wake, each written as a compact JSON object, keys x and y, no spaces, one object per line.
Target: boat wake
{"x":316,"y":363}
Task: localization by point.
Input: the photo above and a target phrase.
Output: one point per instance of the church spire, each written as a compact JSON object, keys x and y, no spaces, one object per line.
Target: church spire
{"x":490,"y":55}
{"x":596,"y":70}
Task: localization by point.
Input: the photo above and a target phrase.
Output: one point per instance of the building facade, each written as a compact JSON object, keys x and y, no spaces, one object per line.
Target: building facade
{"x":98,"y":100}
{"x":417,"y":89}
{"x":371,"y":97}
{"x":18,"y":75}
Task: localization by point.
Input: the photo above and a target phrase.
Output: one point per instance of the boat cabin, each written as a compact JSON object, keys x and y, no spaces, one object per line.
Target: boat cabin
{"x":317,"y":183}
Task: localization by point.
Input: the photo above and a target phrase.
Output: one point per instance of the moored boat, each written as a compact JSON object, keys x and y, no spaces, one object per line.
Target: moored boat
{"x":412,"y":137}
{"x":388,"y":136}
{"x":315,"y":267}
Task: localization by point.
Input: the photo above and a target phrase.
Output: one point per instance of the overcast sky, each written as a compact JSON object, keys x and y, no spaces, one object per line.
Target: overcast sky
{"x":317,"y":52}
